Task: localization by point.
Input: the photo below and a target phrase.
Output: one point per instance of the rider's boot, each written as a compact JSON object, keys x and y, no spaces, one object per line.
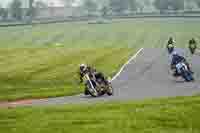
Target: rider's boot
{"x":176,"y":74}
{"x":86,"y":92}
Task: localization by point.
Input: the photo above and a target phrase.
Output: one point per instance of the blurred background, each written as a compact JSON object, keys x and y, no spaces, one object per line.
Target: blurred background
{"x":28,"y":11}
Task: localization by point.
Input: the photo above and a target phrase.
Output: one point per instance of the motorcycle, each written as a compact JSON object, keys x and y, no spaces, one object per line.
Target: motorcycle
{"x":170,"y":48}
{"x":192,"y":48}
{"x":181,"y":70}
{"x":98,"y":88}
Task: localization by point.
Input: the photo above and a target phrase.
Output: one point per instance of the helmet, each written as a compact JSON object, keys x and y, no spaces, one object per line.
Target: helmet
{"x":174,"y":53}
{"x":83,"y":67}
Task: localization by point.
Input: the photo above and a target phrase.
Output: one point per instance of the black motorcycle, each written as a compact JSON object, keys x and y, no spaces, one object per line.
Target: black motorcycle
{"x":98,"y":88}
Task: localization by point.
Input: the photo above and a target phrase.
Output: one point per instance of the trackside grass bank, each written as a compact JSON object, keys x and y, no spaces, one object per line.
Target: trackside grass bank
{"x":49,"y":72}
{"x":173,"y":115}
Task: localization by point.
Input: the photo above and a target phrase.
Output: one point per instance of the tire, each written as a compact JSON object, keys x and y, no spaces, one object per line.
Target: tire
{"x":92,"y":92}
{"x":86,"y":92}
{"x":170,"y":49}
{"x":190,"y":77}
{"x":110,"y":91}
{"x":187,"y":76}
{"x":192,"y":50}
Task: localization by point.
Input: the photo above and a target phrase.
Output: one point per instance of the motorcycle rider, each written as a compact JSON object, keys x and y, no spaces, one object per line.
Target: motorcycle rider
{"x":93,"y":74}
{"x":192,"y":44}
{"x":171,"y":41}
{"x":170,"y":45}
{"x":176,"y":59}
{"x":84,"y":69}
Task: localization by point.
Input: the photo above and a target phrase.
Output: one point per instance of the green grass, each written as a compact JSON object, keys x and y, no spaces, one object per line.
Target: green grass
{"x":174,"y":115}
{"x":125,"y":33}
{"x":31,"y":66}
{"x":49,"y":72}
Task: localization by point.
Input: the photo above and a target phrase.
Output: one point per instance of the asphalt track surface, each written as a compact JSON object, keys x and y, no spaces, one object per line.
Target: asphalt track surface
{"x":145,"y":77}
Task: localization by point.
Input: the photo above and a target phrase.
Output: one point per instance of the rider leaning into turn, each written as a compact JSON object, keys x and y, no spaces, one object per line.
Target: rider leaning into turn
{"x":84,"y":69}
{"x":176,"y":59}
{"x":93,"y":74}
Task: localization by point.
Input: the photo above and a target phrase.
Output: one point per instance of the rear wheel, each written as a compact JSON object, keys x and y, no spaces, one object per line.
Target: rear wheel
{"x":110,"y":91}
{"x":170,"y":48}
{"x":192,"y":49}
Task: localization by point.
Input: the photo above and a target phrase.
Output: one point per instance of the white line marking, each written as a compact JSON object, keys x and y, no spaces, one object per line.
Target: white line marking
{"x":122,"y":68}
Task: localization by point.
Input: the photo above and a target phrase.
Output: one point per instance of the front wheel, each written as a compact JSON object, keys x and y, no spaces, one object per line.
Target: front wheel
{"x":92,"y":91}
{"x":170,"y":50}
{"x":192,"y":51}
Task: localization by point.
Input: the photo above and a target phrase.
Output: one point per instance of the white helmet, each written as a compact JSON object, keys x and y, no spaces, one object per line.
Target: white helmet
{"x":174,"y":53}
{"x":83,"y":67}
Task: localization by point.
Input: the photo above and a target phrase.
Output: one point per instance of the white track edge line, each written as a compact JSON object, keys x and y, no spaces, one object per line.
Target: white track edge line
{"x":122,"y":68}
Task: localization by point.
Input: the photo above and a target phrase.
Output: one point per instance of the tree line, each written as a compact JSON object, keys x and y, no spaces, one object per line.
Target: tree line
{"x":15,"y":9}
{"x":102,"y":6}
{"x":132,"y":6}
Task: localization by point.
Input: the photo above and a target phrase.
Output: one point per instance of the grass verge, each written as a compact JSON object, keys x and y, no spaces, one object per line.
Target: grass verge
{"x":52,"y":72}
{"x":173,"y":115}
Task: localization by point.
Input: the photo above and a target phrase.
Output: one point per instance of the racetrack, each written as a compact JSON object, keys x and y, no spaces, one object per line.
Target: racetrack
{"x":145,"y":77}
